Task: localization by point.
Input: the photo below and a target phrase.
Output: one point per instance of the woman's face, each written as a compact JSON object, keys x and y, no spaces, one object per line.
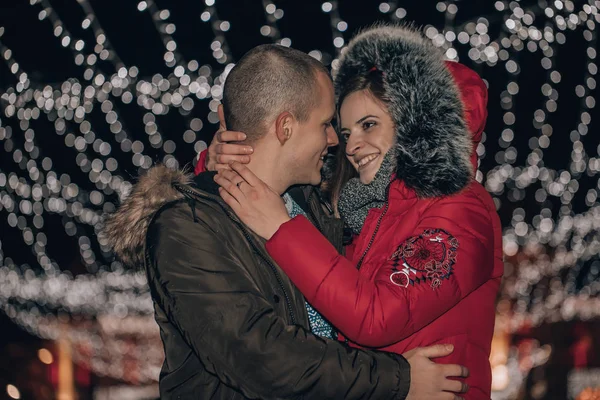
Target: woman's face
{"x":368,"y":131}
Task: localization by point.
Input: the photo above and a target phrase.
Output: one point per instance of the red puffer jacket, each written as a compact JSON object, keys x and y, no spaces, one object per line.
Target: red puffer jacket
{"x":430,"y":266}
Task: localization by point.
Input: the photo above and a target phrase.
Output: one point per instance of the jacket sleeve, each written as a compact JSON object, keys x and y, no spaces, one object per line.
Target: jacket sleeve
{"x":408,"y":292}
{"x":230,"y":325}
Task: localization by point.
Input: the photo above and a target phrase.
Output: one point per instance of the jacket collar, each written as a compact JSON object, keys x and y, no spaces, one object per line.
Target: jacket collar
{"x":125,"y":230}
{"x":205,"y":182}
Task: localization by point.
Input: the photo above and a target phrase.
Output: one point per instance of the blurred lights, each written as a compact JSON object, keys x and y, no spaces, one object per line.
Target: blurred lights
{"x":500,"y":377}
{"x":37,"y":190}
{"x":384,"y":7}
{"x":13,"y":392}
{"x":45,"y":356}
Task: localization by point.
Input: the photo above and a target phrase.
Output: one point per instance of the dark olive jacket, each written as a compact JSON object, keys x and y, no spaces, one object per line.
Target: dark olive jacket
{"x":232,"y":323}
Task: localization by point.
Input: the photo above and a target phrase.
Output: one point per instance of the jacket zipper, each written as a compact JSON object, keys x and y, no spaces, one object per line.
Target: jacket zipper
{"x":256,"y":250}
{"x":385,"y":209}
{"x":288,"y":302}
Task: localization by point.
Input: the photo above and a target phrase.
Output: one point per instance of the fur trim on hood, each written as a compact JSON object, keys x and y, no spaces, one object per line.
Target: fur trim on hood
{"x":434,"y":145}
{"x":127,"y":227}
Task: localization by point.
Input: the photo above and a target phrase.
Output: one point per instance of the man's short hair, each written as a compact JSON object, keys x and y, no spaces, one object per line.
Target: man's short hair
{"x":267,"y":81}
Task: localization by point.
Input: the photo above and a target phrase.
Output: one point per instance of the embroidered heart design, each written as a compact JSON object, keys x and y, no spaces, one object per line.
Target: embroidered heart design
{"x":430,"y":256}
{"x":400,"y":279}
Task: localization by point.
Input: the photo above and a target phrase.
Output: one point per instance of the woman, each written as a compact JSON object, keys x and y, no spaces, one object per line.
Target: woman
{"x":426,"y":261}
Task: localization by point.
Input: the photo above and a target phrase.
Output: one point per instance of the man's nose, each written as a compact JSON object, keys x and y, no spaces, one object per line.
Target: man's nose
{"x":332,"y":137}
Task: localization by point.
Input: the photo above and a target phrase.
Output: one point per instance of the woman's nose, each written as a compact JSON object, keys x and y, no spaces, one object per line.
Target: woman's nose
{"x":353,"y":145}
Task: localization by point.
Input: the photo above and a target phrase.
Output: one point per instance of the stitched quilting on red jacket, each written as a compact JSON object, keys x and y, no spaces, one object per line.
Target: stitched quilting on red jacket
{"x":431,"y":276}
{"x":433,"y":270}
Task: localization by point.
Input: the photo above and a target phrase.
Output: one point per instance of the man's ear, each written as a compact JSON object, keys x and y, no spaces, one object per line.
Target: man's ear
{"x":284,"y":125}
{"x":221,"y":113}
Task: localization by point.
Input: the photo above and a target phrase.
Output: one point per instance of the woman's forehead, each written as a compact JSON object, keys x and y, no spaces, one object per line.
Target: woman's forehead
{"x":362,"y":102}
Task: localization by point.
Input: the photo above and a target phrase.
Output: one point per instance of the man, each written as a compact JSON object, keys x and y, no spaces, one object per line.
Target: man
{"x":232,"y":324}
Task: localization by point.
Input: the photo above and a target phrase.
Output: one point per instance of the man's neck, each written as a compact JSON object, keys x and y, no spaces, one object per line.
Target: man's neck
{"x":267,"y":168}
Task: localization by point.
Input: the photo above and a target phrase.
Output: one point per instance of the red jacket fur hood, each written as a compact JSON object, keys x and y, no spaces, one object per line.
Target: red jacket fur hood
{"x":432,"y":256}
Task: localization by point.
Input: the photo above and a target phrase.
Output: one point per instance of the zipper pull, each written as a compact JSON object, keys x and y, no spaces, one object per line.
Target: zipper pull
{"x":192,"y":203}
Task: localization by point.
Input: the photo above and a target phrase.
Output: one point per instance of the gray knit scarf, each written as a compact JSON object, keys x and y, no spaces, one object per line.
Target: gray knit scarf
{"x":356,"y":198}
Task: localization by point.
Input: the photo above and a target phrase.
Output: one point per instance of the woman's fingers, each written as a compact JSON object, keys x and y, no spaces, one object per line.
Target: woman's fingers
{"x":226,"y":153}
{"x":231,"y":176}
{"x":233,"y":149}
{"x":229,"y":200}
{"x":224,"y":150}
{"x":226,"y":159}
{"x":227,"y":181}
{"x":221,"y":114}
{"x":245,"y":173}
{"x":230,"y":136}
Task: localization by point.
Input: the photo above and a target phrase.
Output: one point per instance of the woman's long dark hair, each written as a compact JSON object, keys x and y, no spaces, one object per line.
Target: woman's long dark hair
{"x":372,"y":82}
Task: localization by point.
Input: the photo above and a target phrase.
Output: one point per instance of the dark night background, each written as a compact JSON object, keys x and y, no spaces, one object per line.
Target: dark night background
{"x":528,"y":317}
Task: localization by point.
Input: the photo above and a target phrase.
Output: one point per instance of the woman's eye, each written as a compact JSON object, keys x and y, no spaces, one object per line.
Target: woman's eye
{"x":368,"y":124}
{"x":345,"y":136}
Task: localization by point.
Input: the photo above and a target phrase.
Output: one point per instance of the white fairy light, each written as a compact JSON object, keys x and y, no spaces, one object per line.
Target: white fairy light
{"x":86,"y":113}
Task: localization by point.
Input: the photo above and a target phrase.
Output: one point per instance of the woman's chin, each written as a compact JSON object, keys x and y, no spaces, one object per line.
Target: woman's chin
{"x":367,"y":175}
{"x":366,"y":178}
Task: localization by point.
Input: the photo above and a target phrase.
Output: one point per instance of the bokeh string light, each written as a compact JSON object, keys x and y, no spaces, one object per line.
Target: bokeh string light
{"x":338,"y":26}
{"x":538,"y":247}
{"x":125,"y":349}
{"x":271,"y":30}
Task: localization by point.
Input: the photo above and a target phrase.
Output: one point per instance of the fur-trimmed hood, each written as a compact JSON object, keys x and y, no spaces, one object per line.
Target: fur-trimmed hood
{"x":126,"y":229}
{"x":436,"y":132}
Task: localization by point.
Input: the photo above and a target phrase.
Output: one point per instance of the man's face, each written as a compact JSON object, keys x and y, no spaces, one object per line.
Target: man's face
{"x":314,"y":136}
